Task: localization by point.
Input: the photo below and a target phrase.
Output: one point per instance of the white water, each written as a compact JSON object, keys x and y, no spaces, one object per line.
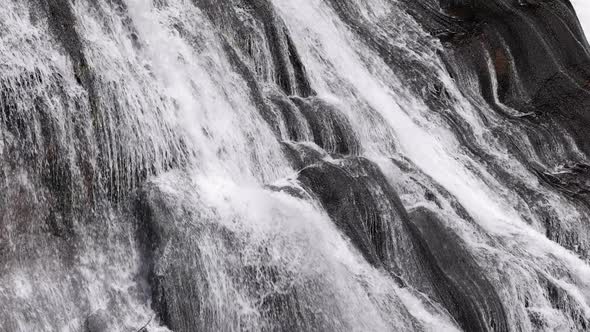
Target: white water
{"x":175,"y":87}
{"x":434,"y":149}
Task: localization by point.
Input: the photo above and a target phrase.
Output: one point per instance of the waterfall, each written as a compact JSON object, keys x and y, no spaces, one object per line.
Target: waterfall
{"x":280,"y":165}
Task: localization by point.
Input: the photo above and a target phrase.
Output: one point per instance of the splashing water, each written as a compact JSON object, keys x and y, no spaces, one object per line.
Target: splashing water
{"x":253,"y":165}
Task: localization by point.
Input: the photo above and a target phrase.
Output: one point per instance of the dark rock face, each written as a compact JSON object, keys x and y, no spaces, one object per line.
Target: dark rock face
{"x":462,"y":287}
{"x":98,"y":322}
{"x":263,"y":39}
{"x":529,"y":55}
{"x":177,"y":288}
{"x":415,"y":248}
{"x":329,"y":127}
{"x":531,"y":62}
{"x":560,"y":299}
{"x":571,"y":179}
{"x":193,"y":265}
{"x":357,"y":198}
{"x":84,"y":157}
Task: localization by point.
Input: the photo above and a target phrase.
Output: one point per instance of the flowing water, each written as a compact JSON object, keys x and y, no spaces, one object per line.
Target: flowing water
{"x":253,"y":165}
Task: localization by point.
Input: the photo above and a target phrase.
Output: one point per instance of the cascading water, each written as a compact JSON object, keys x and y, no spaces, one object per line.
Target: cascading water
{"x":280,"y":165}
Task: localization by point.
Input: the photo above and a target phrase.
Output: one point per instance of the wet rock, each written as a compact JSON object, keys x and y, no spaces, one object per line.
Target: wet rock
{"x":264,"y":39}
{"x":561,"y":299}
{"x":296,"y":124}
{"x":98,"y":321}
{"x":177,"y":290}
{"x":415,"y":247}
{"x":528,"y":62}
{"x":302,"y":155}
{"x":460,"y":282}
{"x":358,"y":199}
{"x":526,"y":41}
{"x":330,"y":127}
{"x":201,"y":275}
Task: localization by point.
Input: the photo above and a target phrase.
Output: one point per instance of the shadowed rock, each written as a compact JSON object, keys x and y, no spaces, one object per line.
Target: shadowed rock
{"x":537,"y":49}
{"x":263,"y":39}
{"x":460,"y":282}
{"x":98,"y":322}
{"x":330,"y":128}
{"x":416,"y":249}
{"x":196,"y":272}
{"x":530,"y":61}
